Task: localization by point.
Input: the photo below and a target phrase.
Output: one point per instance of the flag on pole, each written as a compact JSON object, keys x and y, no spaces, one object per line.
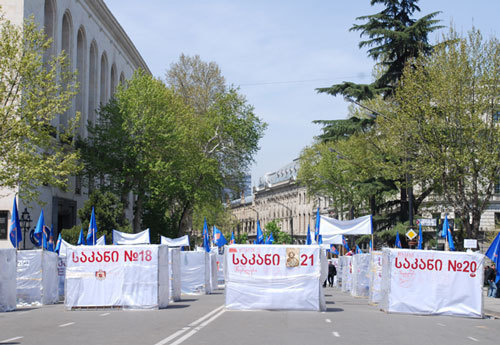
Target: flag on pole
{"x":58,"y":245}
{"x":206,"y":240}
{"x":15,"y":235}
{"x":39,"y":229}
{"x":50,"y":243}
{"x":260,"y":235}
{"x":320,"y":239}
{"x":270,"y":239}
{"x":420,"y":237}
{"x":358,"y":250}
{"x":449,"y":238}
{"x":308,"y":239}
{"x":493,"y":253}
{"x":316,"y":226}
{"x":92,"y":232}
{"x":345,"y":244}
{"x":444,"y":231}
{"x":371,"y":246}
{"x":233,"y":241}
{"x":334,"y":250}
{"x":45,"y":239}
{"x":81,"y":238}
{"x":219,"y":239}
{"x":398,"y":241}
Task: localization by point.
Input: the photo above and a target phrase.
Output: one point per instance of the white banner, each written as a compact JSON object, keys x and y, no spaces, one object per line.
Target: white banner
{"x":275,"y":277}
{"x":376,"y":292}
{"x":101,"y":241}
{"x":432,"y":282}
{"x":329,"y":228}
{"x":125,"y":238}
{"x":64,"y":247}
{"x":176,"y":242}
{"x":7,"y":279}
{"x":135,"y":276}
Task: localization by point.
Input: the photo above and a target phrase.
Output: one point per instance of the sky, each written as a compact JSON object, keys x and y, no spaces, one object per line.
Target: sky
{"x":278,"y":52}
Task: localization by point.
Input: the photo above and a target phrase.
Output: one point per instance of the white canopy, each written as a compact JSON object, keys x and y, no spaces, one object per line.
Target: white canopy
{"x":101,"y":241}
{"x":125,"y":238}
{"x":176,"y":242}
{"x":331,"y":229}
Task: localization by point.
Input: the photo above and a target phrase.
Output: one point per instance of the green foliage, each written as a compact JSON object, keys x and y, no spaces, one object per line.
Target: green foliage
{"x":33,"y":94}
{"x":241,"y":238}
{"x":280,"y":237}
{"x":109,"y":215}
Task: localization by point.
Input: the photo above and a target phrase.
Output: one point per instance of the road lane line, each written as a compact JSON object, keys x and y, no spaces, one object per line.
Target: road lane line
{"x":67,"y":324}
{"x":336,"y":334}
{"x":9,"y":340}
{"x":105,"y":314}
{"x":198,"y":328}
{"x":328,"y":320}
{"x":471,"y":338}
{"x":442,"y":325}
{"x":185,"y":329}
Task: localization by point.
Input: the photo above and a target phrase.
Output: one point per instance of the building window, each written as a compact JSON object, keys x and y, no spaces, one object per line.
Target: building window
{"x":497,"y":220}
{"x":4,"y":216}
{"x":497,"y":187}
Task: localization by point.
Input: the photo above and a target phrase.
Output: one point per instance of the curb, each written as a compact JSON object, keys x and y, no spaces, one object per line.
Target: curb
{"x":491,"y":313}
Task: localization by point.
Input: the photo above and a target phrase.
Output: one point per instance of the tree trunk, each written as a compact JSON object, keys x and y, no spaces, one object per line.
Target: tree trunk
{"x":138,"y":208}
{"x":186,"y":219}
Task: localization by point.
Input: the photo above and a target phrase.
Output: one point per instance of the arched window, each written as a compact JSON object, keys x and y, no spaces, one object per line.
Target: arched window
{"x":122,"y":78}
{"x":66,"y":45}
{"x":104,"y":79}
{"x":92,"y":90}
{"x":49,"y":25}
{"x":113,"y":81}
{"x":81,"y":65}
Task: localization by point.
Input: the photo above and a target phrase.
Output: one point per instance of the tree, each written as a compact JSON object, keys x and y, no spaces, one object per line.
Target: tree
{"x":445,"y":114}
{"x":280,"y":237}
{"x":33,"y":94}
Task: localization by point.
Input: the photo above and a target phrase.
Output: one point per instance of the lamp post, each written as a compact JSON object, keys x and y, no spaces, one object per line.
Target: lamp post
{"x":25,"y":223}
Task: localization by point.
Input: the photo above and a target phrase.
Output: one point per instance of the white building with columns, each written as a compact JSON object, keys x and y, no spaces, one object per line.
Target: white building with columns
{"x":103,"y":54}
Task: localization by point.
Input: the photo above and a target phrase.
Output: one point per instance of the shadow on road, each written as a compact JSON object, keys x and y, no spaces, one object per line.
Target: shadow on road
{"x":188,"y":300}
{"x":334,"y":310}
{"x":177,"y":306}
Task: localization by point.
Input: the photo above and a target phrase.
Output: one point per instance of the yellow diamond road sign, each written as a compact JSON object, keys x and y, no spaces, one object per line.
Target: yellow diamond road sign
{"x":411,"y":234}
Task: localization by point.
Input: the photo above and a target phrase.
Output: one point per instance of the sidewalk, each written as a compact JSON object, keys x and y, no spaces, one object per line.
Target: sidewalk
{"x":491,"y":305}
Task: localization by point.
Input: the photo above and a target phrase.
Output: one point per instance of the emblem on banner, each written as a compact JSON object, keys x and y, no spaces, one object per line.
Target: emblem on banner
{"x":100,"y":275}
{"x":292,"y":257}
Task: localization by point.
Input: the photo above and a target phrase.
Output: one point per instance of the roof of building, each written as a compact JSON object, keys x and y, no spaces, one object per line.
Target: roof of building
{"x":286,"y":173}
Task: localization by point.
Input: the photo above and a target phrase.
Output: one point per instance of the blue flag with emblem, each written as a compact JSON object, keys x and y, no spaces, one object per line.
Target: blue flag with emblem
{"x":358,"y":250}
{"x":345,"y":244}
{"x":333,"y":249}
{"x":444,"y":231}
{"x":58,"y":245}
{"x":50,"y":243}
{"x":420,"y":237}
{"x":316,"y":227}
{"x":39,"y":229}
{"x":449,"y":238}
{"x":398,"y":241}
{"x":270,"y":239}
{"x":92,"y":232}
{"x":260,"y":235}
{"x":15,"y":234}
{"x":233,"y":241}
{"x":493,"y":253}
{"x":206,"y":238}
{"x":308,"y":238}
{"x":81,"y":238}
{"x":219,"y":238}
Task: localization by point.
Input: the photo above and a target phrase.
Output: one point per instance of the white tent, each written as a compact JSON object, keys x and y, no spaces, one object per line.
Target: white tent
{"x":195,"y":272}
{"x":174,"y":255}
{"x":360,"y":275}
{"x":37,"y":277}
{"x":376,"y":292}
{"x":7,"y":279}
{"x":346,"y":263}
{"x":331,"y":229}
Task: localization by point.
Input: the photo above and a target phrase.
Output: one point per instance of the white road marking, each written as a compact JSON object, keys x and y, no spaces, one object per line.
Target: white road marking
{"x":185,"y":329}
{"x":328,"y":320}
{"x":442,"y":325}
{"x":198,"y":328}
{"x":9,"y":340}
{"x":105,"y":314}
{"x":336,"y":334}
{"x":471,"y":338}
{"x":67,"y":324}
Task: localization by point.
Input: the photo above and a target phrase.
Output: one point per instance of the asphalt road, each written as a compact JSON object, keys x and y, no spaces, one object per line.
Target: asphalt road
{"x":203,"y":320}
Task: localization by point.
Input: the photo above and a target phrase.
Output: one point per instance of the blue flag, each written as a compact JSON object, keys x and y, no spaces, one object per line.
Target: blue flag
{"x":308,"y":239}
{"x":444,"y":231}
{"x":420,"y":237}
{"x":92,"y":232}
{"x":316,"y":227}
{"x":493,"y":253}
{"x":270,"y":239}
{"x":320,"y":239}
{"x":206,"y":238}
{"x":449,"y":238}
{"x":358,"y":250}
{"x":81,"y":238}
{"x":398,"y":241}
{"x":371,"y":245}
{"x":219,"y":238}
{"x":15,"y":235}
{"x":39,"y":229}
{"x":334,"y":250}
{"x":45,"y":240}
{"x":233,"y":241}
{"x":50,"y":243}
{"x":260,"y":235}
{"x":345,"y":244}
{"x":58,"y":245}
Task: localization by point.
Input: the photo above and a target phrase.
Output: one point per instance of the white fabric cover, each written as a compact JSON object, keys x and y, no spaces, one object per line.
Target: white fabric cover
{"x":176,"y":242}
{"x":101,"y":241}
{"x":346,"y":273}
{"x":360,"y":275}
{"x":432,"y":282}
{"x":175,"y":273}
{"x":7,"y":279}
{"x":123,"y":238}
{"x":129,"y":276}
{"x":329,"y":228}
{"x":37,"y":277}
{"x":195,"y":272}
{"x":336,"y":263}
{"x":257,"y":277}
{"x":220,"y":269}
{"x":213,"y":271}
{"x":64,"y":247}
{"x":61,"y":273}
{"x":376,"y":292}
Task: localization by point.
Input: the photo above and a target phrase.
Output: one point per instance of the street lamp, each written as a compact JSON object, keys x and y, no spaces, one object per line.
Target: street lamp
{"x":25,"y":223}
